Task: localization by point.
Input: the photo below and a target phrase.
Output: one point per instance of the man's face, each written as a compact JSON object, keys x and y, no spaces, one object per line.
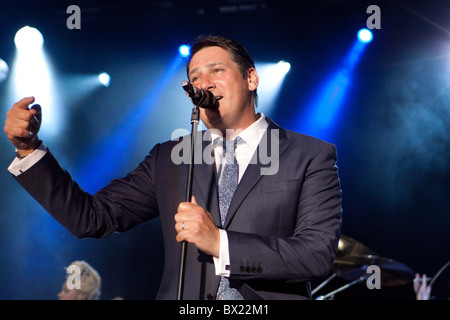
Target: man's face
{"x":213,"y":69}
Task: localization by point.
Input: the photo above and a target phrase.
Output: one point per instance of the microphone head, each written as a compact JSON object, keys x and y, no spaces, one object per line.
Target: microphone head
{"x":188,"y":87}
{"x":201,"y":98}
{"x":208,"y":100}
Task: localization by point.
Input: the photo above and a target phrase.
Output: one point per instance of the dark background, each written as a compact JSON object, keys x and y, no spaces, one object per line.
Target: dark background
{"x":391,"y":132}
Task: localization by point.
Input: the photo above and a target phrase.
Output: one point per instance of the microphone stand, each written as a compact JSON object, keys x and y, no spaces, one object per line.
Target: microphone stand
{"x":195,"y":118}
{"x":323,"y":283}
{"x":331,"y":294}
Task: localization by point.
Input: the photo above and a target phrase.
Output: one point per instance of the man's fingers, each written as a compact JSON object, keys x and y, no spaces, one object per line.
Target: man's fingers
{"x":185,"y":206}
{"x":24,"y":103}
{"x":27,"y":119}
{"x":23,"y":123}
{"x":18,"y":133}
{"x":180,"y":226}
{"x":182,"y":233}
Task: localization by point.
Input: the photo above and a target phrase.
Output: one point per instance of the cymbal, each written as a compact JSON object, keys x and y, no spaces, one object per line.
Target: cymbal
{"x":350,"y":247}
{"x":393,"y":273}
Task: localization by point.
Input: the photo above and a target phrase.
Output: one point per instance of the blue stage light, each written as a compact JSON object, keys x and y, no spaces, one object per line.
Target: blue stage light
{"x":104,"y":79}
{"x":4,"y":70}
{"x":184,"y":50}
{"x":365,"y":35}
{"x":94,"y":167}
{"x":319,"y":119}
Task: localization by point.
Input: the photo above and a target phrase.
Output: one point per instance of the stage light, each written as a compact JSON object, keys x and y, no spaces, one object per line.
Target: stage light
{"x":271,"y":77}
{"x":283,"y":67}
{"x":104,"y":79}
{"x":325,"y":108}
{"x":31,"y":75}
{"x":184,"y":50}
{"x":273,"y":73}
{"x":365,"y":35}
{"x":94,"y":167}
{"x":28,"y":39}
{"x":4,"y":70}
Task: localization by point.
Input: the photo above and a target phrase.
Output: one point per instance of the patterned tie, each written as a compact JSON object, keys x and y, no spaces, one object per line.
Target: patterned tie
{"x":227,"y":186}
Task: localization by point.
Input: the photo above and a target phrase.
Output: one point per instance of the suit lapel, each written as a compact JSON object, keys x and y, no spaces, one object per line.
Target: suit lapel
{"x":258,"y":166}
{"x":204,"y":187}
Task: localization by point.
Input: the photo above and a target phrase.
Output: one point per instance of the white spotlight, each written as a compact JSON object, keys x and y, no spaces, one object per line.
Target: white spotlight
{"x":4,"y":70}
{"x":31,"y":75}
{"x":283,"y":67}
{"x":104,"y":79}
{"x":271,"y":76}
{"x":28,"y":39}
{"x":365,"y":35}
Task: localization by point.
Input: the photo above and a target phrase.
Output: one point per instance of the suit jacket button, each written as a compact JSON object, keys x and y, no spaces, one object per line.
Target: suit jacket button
{"x":248,"y":269}
{"x":242,"y":268}
{"x":259,"y":270}
{"x":254,"y":269}
{"x":210,"y":296}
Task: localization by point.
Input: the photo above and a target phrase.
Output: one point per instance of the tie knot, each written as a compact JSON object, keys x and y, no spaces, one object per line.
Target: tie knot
{"x":228,"y":144}
{"x":229,"y":147}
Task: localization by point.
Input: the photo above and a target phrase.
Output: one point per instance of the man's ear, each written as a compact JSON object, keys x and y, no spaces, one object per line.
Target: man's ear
{"x":252,"y":79}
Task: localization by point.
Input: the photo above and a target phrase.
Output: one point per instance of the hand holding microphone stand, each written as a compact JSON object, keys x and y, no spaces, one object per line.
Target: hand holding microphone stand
{"x":203,"y":99}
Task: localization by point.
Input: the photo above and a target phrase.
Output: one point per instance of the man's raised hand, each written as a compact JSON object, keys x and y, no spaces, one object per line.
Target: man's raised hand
{"x":22,"y":126}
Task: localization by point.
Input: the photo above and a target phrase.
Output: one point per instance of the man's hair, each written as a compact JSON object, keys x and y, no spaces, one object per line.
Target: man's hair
{"x":237,"y":52}
{"x":90,"y":280}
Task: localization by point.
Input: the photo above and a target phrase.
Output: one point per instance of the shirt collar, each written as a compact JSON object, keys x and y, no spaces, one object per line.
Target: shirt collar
{"x":252,"y":134}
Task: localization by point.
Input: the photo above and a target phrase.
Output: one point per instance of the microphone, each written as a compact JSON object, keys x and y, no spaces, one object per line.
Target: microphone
{"x":201,"y":98}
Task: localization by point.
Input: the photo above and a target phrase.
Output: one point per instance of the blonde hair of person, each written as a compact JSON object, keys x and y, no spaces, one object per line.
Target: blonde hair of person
{"x":90,"y":280}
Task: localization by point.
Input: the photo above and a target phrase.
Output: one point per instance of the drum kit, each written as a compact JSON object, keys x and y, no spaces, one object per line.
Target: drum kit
{"x":352,"y":262}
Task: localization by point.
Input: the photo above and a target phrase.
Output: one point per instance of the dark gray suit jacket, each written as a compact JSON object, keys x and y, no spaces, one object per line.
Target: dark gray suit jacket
{"x":283,"y":228}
